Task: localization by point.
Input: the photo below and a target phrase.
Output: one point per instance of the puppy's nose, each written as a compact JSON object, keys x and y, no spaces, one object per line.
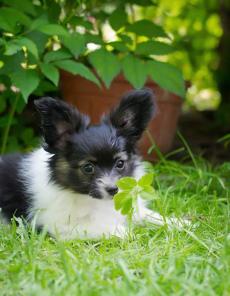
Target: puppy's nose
{"x":112,"y":190}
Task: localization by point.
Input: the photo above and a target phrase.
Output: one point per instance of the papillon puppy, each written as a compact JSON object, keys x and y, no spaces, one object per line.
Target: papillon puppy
{"x":67,"y":186}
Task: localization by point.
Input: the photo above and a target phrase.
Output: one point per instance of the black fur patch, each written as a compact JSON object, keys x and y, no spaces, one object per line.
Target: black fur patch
{"x":59,"y":120}
{"x":133,"y":114}
{"x":13,"y":199}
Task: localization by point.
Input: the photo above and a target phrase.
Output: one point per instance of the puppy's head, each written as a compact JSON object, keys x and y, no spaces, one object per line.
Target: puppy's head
{"x":88,"y":158}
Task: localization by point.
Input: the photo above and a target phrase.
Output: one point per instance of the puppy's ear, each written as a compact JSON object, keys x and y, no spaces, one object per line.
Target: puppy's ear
{"x":133,"y":114}
{"x":59,"y":121}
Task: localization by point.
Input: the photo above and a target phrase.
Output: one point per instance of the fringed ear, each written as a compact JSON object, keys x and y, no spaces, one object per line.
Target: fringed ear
{"x":133,"y":114}
{"x":59,"y":121}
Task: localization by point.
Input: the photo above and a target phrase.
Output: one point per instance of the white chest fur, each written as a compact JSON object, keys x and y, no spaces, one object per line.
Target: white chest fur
{"x":62,"y":212}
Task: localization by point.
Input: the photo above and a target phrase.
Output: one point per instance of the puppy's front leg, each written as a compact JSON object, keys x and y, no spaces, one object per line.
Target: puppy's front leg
{"x":143,"y":214}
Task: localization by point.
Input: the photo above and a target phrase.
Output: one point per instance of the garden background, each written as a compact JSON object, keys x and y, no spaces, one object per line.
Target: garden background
{"x":183,"y":47}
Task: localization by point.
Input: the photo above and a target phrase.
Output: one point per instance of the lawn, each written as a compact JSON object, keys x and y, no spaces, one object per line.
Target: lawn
{"x":152,"y":261}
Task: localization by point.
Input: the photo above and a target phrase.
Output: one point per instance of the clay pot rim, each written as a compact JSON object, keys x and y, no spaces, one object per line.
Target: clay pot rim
{"x":174,"y":99}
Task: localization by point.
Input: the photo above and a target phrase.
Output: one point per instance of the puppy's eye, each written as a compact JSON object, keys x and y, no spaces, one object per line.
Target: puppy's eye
{"x":88,"y":169}
{"x":120,"y":164}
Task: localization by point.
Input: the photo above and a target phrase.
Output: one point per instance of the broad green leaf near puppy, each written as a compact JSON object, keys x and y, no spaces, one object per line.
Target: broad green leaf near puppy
{"x":129,"y":190}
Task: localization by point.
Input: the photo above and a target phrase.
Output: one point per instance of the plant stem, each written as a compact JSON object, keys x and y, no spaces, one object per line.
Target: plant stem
{"x":9,"y":123}
{"x":158,"y":152}
{"x":188,"y":149}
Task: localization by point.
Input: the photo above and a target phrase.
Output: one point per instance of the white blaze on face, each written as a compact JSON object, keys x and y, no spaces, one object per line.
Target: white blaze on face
{"x":106,"y":181}
{"x":109,"y":179}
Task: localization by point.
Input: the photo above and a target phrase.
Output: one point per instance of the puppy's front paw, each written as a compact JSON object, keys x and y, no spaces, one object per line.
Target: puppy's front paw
{"x":120,"y":231}
{"x":179,"y":223}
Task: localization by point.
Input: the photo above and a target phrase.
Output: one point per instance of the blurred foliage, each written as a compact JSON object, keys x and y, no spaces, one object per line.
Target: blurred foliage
{"x":22,"y":135}
{"x":141,"y":38}
{"x":40,"y":38}
{"x":195,"y":29}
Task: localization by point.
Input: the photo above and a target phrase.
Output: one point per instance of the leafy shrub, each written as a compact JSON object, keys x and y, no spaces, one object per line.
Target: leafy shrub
{"x":40,"y":38}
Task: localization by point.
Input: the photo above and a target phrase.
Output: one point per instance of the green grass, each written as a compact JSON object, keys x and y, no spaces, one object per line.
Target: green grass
{"x":152,"y":261}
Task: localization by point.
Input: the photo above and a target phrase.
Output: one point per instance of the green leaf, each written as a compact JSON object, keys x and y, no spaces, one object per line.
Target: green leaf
{"x":126,"y":183}
{"x":134,"y":70}
{"x":11,"y":48}
{"x":146,"y":28}
{"x":147,"y":195}
{"x":38,"y":22}
{"x":50,"y":72}
{"x":167,"y":76}
{"x":30,"y":45}
{"x":77,"y":68}
{"x":154,"y":48}
{"x":45,"y":86}
{"x":16,"y":45}
{"x":20,"y":105}
{"x":127,"y":206}
{"x":145,"y":183}
{"x":12,"y":63}
{"x":39,"y":39}
{"x":148,"y":188}
{"x":57,"y":55}
{"x":26,"y":80}
{"x":52,"y":29}
{"x":75,"y":43}
{"x":147,"y":179}
{"x":106,"y":64}
{"x":119,"y":199}
{"x":54,"y":10}
{"x":118,"y":18}
{"x":10,"y":18}
{"x":125,"y":38}
{"x":92,"y":38}
{"x":79,"y":21}
{"x":23,"y":5}
{"x":148,"y":192}
{"x":100,"y":15}
{"x":118,"y":45}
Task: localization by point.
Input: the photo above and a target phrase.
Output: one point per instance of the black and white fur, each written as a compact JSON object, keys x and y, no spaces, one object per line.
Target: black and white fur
{"x":67,"y":186}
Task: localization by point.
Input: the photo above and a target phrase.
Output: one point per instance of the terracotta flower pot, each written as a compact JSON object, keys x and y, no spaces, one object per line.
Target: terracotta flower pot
{"x":92,"y":100}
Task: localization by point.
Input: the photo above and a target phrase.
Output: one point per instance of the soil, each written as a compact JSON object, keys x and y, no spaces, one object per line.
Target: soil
{"x":202,"y":134}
